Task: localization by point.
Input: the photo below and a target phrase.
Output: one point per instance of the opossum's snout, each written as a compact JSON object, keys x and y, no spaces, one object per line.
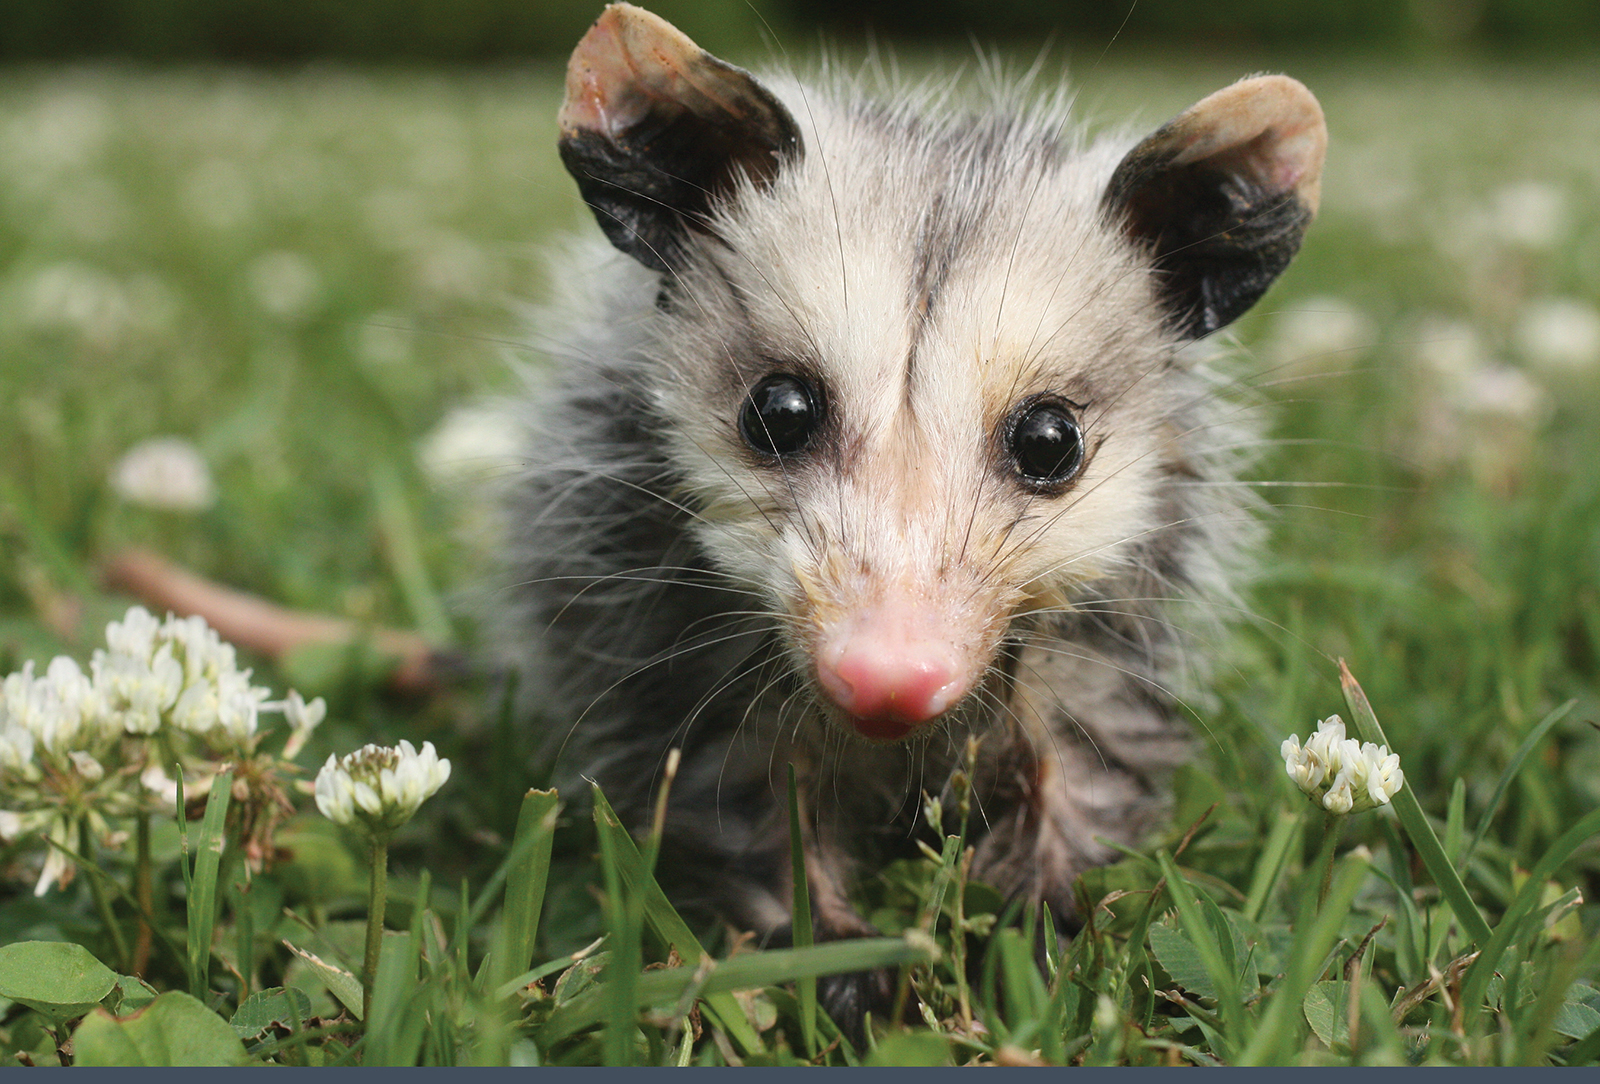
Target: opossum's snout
{"x":891,"y":668}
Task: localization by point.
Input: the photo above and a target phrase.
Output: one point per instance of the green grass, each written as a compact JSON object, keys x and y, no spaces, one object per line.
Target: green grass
{"x":304,"y":273}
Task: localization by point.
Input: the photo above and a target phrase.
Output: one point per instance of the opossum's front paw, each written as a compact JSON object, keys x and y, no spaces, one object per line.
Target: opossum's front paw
{"x":849,"y":997}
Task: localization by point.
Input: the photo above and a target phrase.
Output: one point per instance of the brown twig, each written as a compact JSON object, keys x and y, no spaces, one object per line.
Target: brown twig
{"x":264,"y":627}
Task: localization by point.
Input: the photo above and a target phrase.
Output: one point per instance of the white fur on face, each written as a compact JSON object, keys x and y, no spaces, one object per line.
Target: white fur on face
{"x":932,"y":286}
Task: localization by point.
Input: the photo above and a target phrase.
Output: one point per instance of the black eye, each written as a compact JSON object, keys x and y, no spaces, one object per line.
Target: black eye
{"x":780,"y":415}
{"x":1046,"y":443}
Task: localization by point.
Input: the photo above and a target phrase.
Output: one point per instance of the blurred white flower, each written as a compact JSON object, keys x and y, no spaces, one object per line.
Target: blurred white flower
{"x":1560,"y":334}
{"x":51,"y":712}
{"x":58,"y":868}
{"x":1499,"y":391}
{"x":16,"y":745}
{"x":285,"y":284}
{"x":156,"y":780}
{"x":167,"y":473}
{"x":224,"y":708}
{"x":1471,"y":409}
{"x":1320,"y":334}
{"x":378,"y":788}
{"x":86,"y":766}
{"x":469,"y":442}
{"x":1528,"y":213}
{"x":1339,"y":773}
{"x":81,"y":299}
{"x":237,"y":705}
{"x":448,"y":266}
{"x":1449,"y":349}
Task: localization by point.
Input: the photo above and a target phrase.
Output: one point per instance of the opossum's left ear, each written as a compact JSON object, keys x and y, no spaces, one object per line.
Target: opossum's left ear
{"x":654,"y":129}
{"x":1221,"y":196}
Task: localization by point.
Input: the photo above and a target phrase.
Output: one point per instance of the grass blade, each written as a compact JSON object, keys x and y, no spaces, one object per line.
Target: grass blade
{"x":403,"y":546}
{"x":1513,"y":767}
{"x":549,"y":967}
{"x":1269,"y":867}
{"x":1270,"y":1041}
{"x":664,"y":919}
{"x":1526,"y":903}
{"x":747,"y":971}
{"x":527,"y":876}
{"x":1415,"y":821}
{"x":806,"y":988}
{"x":618,"y":993}
{"x":202,"y":885}
{"x":1208,"y":942}
{"x":394,"y":1034}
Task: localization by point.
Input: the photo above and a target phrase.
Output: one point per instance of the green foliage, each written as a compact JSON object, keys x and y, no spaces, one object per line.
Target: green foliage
{"x":60,"y":980}
{"x":174,"y":1029}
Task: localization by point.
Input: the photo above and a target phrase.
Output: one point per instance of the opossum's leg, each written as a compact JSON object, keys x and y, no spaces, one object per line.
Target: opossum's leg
{"x":848,"y":997}
{"x":1082,"y":765}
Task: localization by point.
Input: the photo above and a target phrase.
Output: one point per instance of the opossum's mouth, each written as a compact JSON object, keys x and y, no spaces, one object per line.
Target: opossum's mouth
{"x":882,"y":728}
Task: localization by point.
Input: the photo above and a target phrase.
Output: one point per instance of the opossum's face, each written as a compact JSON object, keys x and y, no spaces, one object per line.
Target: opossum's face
{"x":920,"y":379}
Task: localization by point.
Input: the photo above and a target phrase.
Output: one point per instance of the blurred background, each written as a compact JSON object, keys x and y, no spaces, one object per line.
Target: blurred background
{"x":475,"y":31}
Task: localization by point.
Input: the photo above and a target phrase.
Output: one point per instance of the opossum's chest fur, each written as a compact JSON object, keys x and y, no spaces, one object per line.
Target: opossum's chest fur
{"x":878,"y":435}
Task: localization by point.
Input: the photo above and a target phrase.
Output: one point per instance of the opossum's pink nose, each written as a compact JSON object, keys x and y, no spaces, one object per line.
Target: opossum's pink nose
{"x":889,"y":672}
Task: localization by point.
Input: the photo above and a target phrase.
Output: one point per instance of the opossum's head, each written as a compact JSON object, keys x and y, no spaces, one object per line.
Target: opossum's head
{"x":920,"y":378}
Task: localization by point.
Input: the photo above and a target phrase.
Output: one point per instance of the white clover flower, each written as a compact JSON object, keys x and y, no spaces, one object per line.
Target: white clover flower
{"x":302,"y":718}
{"x":165,"y":789}
{"x":54,"y":710}
{"x":166,"y":473}
{"x":58,"y":868}
{"x":378,"y":788}
{"x":205,"y":654}
{"x":196,"y":710}
{"x":1340,"y":773}
{"x":1320,"y":333}
{"x":137,"y":691}
{"x":16,"y":747}
{"x":237,"y":704}
{"x":1529,"y":213}
{"x":135,"y":635}
{"x":225,"y":707}
{"x":86,"y":766}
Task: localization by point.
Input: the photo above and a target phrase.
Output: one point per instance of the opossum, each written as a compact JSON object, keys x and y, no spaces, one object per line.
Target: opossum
{"x":877,"y":431}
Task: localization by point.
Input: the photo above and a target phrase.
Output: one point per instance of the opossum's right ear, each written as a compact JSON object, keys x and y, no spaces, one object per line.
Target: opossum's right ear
{"x":654,"y":129}
{"x":1221,"y":196}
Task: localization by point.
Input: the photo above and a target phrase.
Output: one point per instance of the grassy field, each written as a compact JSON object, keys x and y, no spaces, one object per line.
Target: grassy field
{"x":309,"y":276}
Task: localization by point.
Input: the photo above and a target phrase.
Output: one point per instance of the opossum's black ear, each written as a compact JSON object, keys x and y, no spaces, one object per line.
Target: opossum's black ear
{"x":654,"y":129}
{"x":1221,"y":196}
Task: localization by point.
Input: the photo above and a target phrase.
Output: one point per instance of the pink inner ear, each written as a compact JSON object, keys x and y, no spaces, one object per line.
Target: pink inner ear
{"x":1269,"y":127}
{"x":627,"y":61}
